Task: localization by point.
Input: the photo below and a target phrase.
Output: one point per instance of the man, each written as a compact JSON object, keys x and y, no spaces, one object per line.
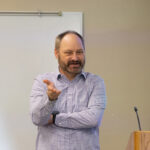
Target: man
{"x":68,"y":106}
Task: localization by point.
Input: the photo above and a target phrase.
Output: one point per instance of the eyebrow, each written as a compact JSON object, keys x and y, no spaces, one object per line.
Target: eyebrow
{"x":72,"y":50}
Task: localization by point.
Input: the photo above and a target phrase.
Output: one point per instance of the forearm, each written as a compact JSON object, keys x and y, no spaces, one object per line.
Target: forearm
{"x":40,"y":105}
{"x":41,"y":109}
{"x":89,"y":118}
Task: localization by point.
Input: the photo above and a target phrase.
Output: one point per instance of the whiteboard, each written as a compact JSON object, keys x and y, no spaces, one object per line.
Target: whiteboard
{"x":26,"y":50}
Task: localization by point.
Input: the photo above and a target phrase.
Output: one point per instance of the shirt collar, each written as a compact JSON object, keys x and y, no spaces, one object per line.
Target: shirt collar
{"x":83,"y":74}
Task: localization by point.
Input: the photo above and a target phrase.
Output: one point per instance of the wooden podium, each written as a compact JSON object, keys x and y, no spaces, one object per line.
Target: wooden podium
{"x":139,"y":140}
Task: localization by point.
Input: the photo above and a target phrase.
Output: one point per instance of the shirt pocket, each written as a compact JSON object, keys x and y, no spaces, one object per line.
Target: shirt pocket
{"x":81,"y":99}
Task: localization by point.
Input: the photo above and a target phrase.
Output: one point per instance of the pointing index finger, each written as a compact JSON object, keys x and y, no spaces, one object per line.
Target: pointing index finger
{"x":48,"y":82}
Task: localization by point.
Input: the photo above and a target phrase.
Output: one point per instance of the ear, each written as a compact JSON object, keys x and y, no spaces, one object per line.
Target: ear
{"x":56,"y":52}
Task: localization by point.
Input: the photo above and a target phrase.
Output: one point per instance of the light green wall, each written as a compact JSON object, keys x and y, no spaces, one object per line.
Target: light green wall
{"x":117,"y":38}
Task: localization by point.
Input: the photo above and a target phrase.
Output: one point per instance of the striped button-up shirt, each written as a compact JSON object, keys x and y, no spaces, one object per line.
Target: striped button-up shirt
{"x":81,"y":105}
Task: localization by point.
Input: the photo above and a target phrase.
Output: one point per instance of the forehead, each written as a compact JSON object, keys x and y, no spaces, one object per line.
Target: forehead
{"x":71,"y":41}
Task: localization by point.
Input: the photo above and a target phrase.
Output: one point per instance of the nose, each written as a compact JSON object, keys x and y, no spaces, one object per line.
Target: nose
{"x":74,"y":57}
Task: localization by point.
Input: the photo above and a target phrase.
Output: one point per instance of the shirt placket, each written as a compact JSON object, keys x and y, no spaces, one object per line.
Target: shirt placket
{"x":69,"y":97}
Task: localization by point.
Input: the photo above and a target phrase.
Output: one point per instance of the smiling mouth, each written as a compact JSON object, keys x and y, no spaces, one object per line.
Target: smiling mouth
{"x":75,"y":65}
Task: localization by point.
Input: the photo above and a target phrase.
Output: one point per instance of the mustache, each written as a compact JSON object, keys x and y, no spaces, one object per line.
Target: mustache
{"x":74,"y":62}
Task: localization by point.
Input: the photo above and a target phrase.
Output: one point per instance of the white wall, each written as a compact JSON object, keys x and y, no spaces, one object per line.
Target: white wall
{"x":26,"y":50}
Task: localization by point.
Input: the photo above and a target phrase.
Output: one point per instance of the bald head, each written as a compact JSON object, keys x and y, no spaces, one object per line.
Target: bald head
{"x":64,"y":34}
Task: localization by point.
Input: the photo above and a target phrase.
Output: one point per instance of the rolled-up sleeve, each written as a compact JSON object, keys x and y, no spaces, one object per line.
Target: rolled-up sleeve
{"x":40,"y":106}
{"x":92,"y":115}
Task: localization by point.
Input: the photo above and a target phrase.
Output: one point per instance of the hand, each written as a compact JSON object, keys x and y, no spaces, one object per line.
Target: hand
{"x":52,"y":92}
